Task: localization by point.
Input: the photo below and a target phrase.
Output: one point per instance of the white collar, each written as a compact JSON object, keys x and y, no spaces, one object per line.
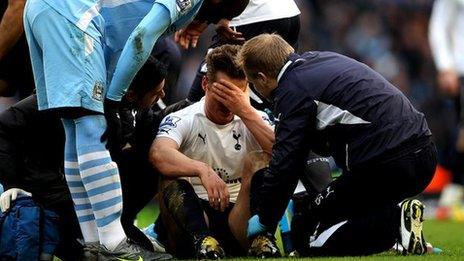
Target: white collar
{"x":286,"y":65}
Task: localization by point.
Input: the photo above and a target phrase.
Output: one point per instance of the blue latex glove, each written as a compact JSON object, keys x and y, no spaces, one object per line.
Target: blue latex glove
{"x":255,"y":227}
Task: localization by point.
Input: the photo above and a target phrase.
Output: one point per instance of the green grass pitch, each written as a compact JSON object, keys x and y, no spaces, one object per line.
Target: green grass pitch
{"x":447,"y":235}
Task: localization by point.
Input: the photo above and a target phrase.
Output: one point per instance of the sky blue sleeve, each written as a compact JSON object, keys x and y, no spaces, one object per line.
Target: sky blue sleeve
{"x":137,"y":49}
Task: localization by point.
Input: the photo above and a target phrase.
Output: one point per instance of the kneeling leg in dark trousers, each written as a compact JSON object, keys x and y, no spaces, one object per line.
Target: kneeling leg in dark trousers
{"x":372,"y":233}
{"x":328,"y":227}
{"x":358,"y":213}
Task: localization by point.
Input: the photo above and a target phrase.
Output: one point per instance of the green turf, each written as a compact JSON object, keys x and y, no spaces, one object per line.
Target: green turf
{"x":447,"y":235}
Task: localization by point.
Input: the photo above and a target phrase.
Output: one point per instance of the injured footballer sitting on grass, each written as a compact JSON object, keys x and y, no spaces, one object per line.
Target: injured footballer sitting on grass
{"x":207,"y":153}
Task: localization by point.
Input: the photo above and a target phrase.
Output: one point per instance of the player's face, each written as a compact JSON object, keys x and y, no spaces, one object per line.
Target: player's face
{"x":222,"y":110}
{"x":149,"y":99}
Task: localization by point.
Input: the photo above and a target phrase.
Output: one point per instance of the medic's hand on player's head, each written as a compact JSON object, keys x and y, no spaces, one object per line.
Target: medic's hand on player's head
{"x":10,"y":195}
{"x":226,"y":33}
{"x":189,"y":35}
{"x":218,"y":193}
{"x":113,"y":133}
{"x":234,"y":98}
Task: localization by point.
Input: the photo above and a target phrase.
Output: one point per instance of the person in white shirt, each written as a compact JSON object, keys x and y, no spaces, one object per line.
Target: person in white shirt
{"x":211,"y":149}
{"x":447,"y":46}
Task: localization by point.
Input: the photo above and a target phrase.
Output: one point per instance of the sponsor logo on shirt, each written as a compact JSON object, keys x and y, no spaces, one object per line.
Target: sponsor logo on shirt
{"x":169,"y":123}
{"x":183,"y":5}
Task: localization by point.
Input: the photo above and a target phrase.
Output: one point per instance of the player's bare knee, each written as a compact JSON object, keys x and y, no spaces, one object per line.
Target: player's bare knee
{"x":253,"y":162}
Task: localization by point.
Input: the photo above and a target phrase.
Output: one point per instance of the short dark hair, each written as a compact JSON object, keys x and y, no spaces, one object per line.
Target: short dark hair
{"x":149,"y":76}
{"x":223,"y":59}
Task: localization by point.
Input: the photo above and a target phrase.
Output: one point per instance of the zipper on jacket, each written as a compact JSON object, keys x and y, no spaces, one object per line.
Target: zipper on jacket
{"x":346,"y":157}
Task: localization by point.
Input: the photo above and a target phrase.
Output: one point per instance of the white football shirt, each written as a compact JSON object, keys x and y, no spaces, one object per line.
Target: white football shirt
{"x":265,"y":10}
{"x":223,"y":147}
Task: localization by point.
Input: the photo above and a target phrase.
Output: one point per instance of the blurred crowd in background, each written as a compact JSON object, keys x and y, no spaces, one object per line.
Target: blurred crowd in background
{"x":389,"y":35}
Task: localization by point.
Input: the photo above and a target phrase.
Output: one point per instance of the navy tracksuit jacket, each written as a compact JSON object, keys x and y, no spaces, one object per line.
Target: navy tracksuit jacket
{"x":335,"y":105}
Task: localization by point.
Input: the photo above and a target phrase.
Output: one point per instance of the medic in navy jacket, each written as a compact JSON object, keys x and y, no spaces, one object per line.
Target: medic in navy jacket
{"x":333,"y":105}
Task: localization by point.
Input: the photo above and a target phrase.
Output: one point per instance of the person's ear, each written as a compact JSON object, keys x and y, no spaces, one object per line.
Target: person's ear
{"x":204,"y":83}
{"x":262,"y":77}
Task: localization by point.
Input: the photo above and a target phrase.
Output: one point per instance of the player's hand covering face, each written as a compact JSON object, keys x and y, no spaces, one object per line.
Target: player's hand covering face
{"x":233,"y":97}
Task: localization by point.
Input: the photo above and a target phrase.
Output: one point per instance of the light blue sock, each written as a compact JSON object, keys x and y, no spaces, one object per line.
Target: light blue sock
{"x":78,"y":193}
{"x":100,"y":178}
